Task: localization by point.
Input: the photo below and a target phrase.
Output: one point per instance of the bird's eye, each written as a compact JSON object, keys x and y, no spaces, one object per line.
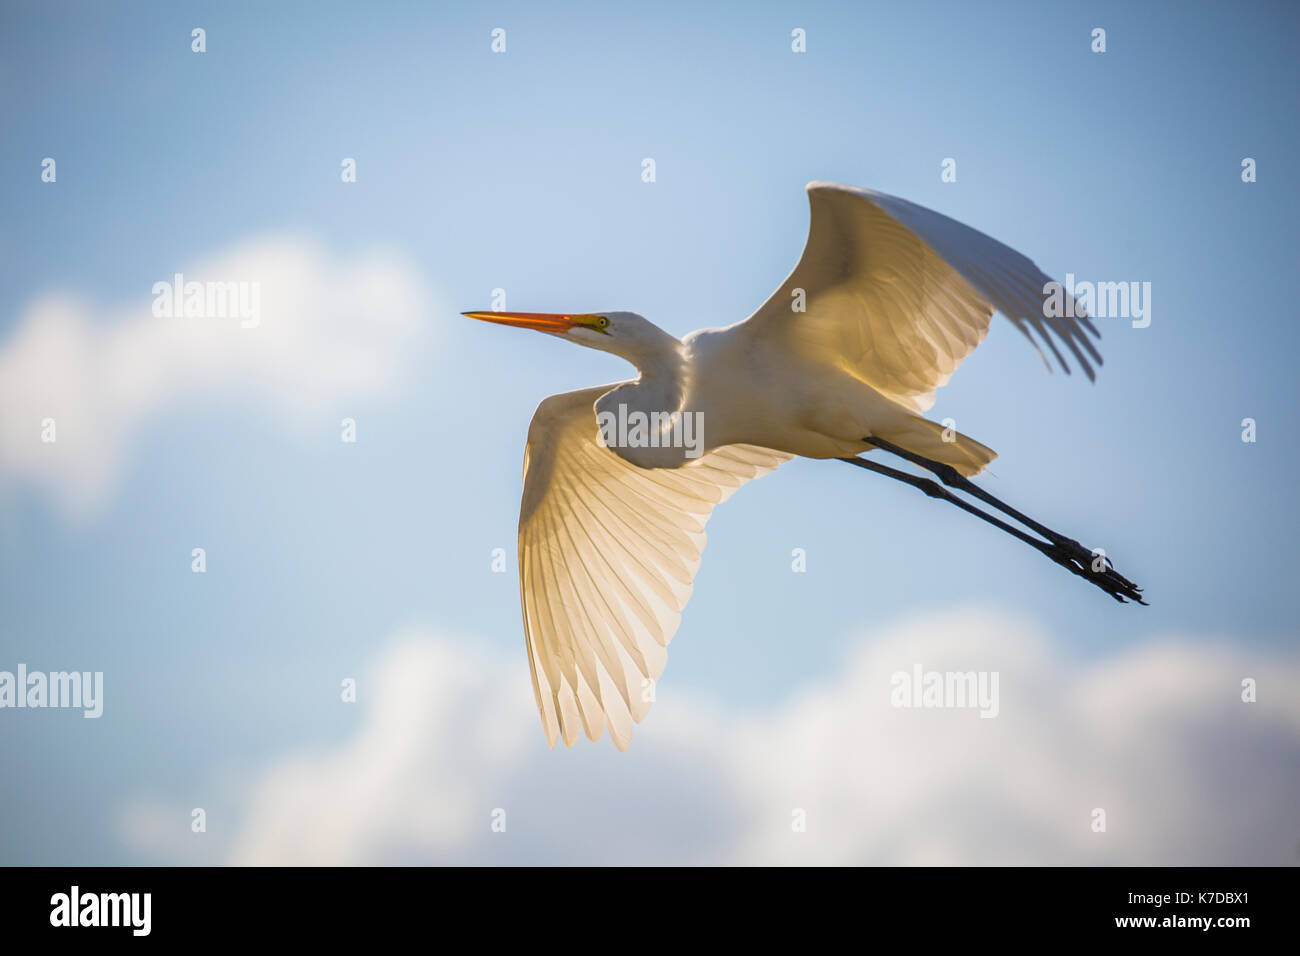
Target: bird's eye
{"x":602,"y":322}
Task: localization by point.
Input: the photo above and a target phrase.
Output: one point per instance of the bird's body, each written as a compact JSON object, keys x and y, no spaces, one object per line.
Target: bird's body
{"x":843,"y":359}
{"x":749,"y":390}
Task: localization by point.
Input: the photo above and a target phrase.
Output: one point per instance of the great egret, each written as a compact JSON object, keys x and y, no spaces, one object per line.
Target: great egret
{"x":843,"y":359}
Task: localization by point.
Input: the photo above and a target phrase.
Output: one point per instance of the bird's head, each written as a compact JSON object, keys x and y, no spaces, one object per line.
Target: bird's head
{"x":625,"y":334}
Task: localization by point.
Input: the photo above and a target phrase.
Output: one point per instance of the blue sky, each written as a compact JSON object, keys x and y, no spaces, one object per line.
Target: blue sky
{"x":522,"y":171}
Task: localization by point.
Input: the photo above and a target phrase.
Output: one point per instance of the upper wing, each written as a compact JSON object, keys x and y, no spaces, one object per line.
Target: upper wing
{"x":607,"y":554}
{"x":897,"y":295}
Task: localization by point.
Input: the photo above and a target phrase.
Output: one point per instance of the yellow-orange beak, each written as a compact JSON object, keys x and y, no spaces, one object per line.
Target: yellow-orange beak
{"x":541,"y":321}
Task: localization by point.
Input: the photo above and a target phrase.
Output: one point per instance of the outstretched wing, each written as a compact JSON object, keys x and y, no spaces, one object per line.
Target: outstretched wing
{"x":898,"y":295}
{"x":607,"y":555}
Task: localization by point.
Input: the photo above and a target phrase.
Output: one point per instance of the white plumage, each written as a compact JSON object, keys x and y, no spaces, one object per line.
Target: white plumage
{"x":886,"y":301}
{"x":607,"y":555}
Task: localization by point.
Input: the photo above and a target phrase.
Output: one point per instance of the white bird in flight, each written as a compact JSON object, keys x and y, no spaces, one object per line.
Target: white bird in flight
{"x":887,"y":299}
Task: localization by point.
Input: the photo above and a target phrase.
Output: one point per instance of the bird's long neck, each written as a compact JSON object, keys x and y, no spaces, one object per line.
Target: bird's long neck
{"x":645,"y":421}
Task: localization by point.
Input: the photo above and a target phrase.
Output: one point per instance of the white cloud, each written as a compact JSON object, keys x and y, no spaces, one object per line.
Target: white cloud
{"x":331,"y":331}
{"x":1157,"y":736}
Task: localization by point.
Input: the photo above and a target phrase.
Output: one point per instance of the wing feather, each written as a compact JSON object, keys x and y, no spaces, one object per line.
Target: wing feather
{"x":898,"y":295}
{"x":607,"y":556}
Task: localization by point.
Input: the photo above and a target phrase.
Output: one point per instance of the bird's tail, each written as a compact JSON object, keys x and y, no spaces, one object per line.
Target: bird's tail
{"x":940,"y":443}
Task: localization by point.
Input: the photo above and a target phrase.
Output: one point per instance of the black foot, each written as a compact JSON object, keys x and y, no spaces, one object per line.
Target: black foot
{"x":1108,"y":579}
{"x":1063,"y":550}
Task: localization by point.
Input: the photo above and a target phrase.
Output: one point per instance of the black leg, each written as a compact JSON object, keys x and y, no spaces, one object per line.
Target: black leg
{"x":1109,"y":581}
{"x":954,"y":479}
